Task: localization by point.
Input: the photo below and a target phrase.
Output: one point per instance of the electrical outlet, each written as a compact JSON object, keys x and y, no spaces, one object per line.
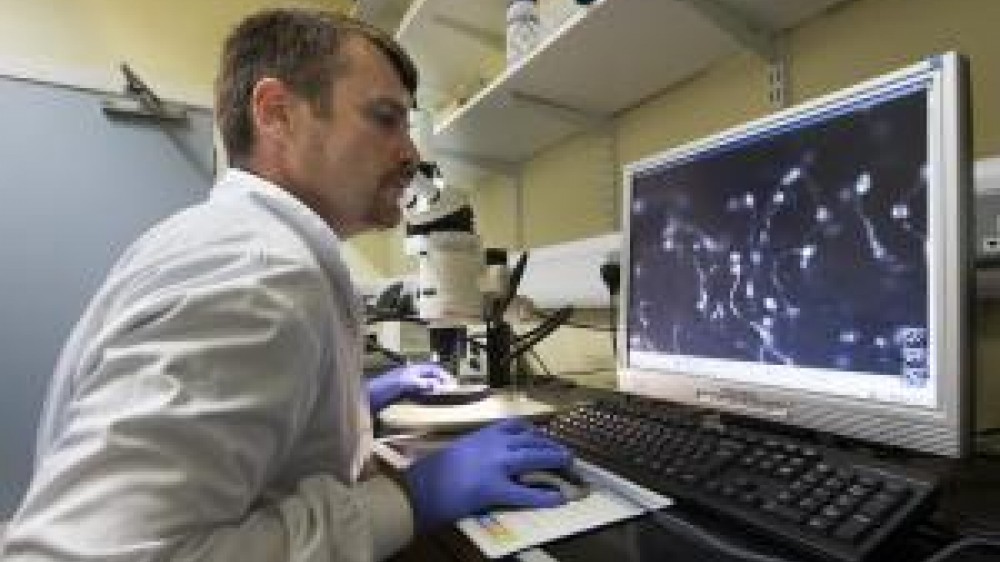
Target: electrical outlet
{"x":990,"y":246}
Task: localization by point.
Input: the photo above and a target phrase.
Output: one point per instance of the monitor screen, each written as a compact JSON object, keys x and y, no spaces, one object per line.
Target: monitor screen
{"x":810,"y":267}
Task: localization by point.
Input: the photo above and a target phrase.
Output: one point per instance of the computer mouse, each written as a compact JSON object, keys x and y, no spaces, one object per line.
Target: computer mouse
{"x":452,"y":395}
{"x":568,"y":484}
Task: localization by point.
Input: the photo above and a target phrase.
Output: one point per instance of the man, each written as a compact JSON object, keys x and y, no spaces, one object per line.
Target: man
{"x":209,"y":405}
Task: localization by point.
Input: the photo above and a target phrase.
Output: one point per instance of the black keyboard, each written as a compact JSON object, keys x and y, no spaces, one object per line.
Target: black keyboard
{"x":831,"y":503}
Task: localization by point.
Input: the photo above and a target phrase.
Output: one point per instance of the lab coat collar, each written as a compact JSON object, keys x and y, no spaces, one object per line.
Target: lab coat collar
{"x":282,"y":198}
{"x":323,"y":240}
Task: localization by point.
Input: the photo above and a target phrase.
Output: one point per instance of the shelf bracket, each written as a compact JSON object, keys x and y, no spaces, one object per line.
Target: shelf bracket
{"x":560,"y":110}
{"x":748,"y":33}
{"x":491,"y":39}
{"x":778,"y":87}
{"x":768,"y":44}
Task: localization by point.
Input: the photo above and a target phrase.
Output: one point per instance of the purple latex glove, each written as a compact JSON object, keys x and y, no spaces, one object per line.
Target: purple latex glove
{"x":478,"y":471}
{"x":405,"y":380}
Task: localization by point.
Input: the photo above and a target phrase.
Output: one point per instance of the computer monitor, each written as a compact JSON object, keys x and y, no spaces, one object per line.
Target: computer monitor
{"x":811,"y":267}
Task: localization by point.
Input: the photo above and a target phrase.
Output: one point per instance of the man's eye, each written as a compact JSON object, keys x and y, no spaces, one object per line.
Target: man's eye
{"x":388,"y":118}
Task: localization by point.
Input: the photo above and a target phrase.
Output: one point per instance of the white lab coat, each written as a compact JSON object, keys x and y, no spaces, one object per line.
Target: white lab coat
{"x":209,"y":404}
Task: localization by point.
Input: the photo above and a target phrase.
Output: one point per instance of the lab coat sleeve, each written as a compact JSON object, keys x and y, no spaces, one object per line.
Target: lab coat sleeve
{"x":187,"y":403}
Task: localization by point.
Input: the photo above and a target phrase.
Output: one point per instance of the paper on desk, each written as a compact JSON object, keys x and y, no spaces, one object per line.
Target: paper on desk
{"x":612,"y":499}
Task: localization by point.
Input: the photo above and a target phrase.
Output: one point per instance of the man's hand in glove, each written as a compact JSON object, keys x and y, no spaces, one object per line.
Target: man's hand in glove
{"x":404,"y":381}
{"x":478,"y":471}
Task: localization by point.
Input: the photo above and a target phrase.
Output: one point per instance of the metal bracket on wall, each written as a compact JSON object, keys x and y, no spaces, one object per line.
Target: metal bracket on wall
{"x":778,"y":94}
{"x":755,"y":37}
{"x":139,"y":102}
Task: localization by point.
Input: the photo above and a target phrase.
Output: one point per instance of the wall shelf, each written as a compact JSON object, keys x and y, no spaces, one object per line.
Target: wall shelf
{"x":604,"y":59}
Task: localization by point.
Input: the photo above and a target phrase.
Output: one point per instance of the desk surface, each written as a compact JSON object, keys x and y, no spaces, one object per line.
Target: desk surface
{"x":415,"y":417}
{"x":969,"y":502}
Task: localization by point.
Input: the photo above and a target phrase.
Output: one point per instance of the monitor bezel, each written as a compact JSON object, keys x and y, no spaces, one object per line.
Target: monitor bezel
{"x":943,"y":429}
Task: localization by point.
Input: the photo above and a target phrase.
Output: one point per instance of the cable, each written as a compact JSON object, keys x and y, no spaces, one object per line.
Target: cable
{"x":968,"y":542}
{"x":986,"y":432}
{"x":937,"y":532}
{"x":986,"y":442}
{"x":393,"y":356}
{"x":671,"y":522}
{"x":666,"y":520}
{"x":611,"y":275}
{"x":501,"y":305}
{"x":542,"y":331}
{"x":612,"y":318}
{"x":538,"y":359}
{"x":572,"y":324}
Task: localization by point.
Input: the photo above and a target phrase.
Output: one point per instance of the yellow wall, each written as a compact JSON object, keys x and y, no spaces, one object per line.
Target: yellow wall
{"x":174,"y":45}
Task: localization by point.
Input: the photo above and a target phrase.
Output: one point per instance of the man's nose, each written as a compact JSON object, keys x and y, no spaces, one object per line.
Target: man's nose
{"x":409,"y":155}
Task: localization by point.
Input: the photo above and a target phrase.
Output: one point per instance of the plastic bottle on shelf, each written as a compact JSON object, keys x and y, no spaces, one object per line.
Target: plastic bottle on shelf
{"x":523,"y":29}
{"x":553,"y":13}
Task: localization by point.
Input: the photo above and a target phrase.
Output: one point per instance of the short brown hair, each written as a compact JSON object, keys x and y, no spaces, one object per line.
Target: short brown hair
{"x":299,"y":47}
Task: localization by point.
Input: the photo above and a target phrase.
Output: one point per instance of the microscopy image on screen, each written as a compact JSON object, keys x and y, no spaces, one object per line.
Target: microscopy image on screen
{"x":805,"y":246}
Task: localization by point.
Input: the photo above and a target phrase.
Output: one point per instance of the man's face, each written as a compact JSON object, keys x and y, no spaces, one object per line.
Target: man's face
{"x":352,"y":165}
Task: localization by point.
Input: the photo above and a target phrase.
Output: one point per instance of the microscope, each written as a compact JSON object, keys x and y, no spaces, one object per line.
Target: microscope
{"x":460,"y":286}
{"x":458,"y":283}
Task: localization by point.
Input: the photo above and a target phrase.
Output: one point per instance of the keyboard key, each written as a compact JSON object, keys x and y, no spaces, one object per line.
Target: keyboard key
{"x":834,"y":483}
{"x":897,"y":489}
{"x":799,"y":487}
{"x":852,"y":529}
{"x":878,"y":506}
{"x":822,"y":495}
{"x":869,"y":482}
{"x":819,"y":523}
{"x":832,"y":512}
{"x":793,"y":514}
{"x":785,"y":472}
{"x":809,"y":505}
{"x":846,"y":502}
{"x":859,"y":491}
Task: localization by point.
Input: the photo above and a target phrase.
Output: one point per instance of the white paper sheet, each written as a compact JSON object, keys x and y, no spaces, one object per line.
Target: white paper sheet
{"x":612,"y":499}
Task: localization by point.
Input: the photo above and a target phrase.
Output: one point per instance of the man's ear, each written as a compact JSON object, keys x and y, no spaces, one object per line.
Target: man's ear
{"x":272,"y":103}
